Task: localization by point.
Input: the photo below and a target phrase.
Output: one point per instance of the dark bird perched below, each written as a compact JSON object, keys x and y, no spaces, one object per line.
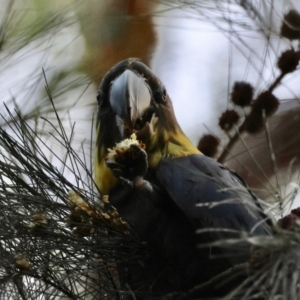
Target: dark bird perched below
{"x":169,"y":190}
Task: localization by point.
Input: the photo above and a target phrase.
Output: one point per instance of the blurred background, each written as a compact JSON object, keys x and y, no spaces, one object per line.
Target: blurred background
{"x":199,"y":49}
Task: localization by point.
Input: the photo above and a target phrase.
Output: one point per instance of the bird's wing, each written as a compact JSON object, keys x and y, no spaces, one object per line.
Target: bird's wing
{"x":210,"y":193}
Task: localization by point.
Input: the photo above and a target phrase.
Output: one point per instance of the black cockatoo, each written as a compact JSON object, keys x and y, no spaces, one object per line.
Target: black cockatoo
{"x":168,"y":190}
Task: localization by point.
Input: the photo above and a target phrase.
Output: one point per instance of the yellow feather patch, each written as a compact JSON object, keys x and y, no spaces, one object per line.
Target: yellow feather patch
{"x":183,"y":147}
{"x":104,"y":178}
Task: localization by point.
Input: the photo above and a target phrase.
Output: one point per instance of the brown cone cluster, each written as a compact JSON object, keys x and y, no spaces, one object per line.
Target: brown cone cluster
{"x":290,"y":27}
{"x":288,"y":61}
{"x":228,"y":119}
{"x":208,"y":145}
{"x":266,"y":102}
{"x":242,"y":93}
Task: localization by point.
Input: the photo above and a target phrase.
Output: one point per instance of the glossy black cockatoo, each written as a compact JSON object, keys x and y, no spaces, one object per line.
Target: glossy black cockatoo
{"x":168,"y":190}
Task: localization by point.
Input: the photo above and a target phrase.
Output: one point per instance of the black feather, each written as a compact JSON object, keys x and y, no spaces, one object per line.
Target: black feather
{"x":174,"y":262}
{"x":197,"y":182}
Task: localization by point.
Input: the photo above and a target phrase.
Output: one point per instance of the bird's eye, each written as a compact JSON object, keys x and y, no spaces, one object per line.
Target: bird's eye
{"x":160,"y":95}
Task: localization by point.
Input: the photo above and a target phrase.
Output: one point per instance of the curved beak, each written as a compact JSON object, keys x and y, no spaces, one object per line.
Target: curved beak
{"x":129,"y":97}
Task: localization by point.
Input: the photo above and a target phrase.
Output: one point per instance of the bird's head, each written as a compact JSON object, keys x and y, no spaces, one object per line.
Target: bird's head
{"x":131,"y":99}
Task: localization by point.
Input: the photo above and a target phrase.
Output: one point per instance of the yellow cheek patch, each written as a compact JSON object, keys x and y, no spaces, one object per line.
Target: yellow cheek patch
{"x":104,"y":178}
